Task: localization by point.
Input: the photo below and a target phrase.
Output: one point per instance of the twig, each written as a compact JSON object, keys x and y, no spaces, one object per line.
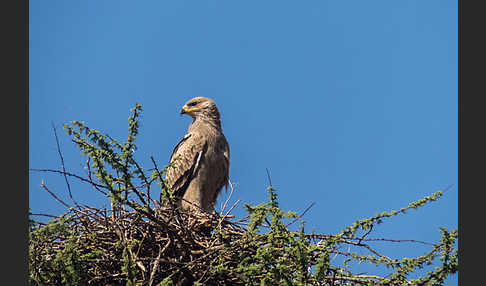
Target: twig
{"x":448,"y":187}
{"x":158,"y":173}
{"x":154,"y":269}
{"x":234,"y":205}
{"x":48,"y":215}
{"x":69,"y":174}
{"x":268,"y":176}
{"x":364,"y":235}
{"x":327,"y":236}
{"x":52,"y":194}
{"x":62,"y":165}
{"x":229,"y":197}
{"x":302,"y":214}
{"x":395,"y":240}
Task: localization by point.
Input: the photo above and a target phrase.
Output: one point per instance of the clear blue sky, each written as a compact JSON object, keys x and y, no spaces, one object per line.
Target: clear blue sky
{"x":350,"y":104}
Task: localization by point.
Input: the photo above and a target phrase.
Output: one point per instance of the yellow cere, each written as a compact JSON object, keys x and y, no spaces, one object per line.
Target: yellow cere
{"x":187,"y":109}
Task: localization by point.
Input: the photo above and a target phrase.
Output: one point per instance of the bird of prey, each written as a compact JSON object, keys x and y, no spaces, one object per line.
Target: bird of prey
{"x":199,"y":164}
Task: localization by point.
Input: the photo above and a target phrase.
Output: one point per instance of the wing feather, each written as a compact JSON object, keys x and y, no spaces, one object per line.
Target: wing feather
{"x":226,"y":166}
{"x":178,"y":145}
{"x":184,"y":163}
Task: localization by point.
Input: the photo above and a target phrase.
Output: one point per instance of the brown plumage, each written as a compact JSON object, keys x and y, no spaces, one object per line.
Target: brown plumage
{"x":199,"y":164}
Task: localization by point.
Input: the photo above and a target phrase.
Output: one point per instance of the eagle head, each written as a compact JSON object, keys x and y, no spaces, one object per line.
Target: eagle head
{"x":199,"y":107}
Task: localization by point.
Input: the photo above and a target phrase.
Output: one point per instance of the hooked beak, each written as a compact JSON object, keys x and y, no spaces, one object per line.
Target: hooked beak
{"x":184,"y":110}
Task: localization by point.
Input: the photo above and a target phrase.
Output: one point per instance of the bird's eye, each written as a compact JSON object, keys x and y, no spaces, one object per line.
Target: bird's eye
{"x":192,"y":103}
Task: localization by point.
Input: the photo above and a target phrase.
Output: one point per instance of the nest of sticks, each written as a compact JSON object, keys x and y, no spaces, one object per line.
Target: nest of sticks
{"x":113,"y":247}
{"x":165,"y":245}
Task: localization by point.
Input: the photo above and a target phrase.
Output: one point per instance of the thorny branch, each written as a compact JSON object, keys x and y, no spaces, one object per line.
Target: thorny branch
{"x":147,"y":245}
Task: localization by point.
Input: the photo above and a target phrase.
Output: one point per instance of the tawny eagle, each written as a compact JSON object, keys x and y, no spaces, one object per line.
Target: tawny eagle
{"x":199,"y":164}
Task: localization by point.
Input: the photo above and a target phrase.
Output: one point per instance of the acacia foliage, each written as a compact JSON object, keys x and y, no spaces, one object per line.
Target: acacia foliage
{"x":142,"y":240}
